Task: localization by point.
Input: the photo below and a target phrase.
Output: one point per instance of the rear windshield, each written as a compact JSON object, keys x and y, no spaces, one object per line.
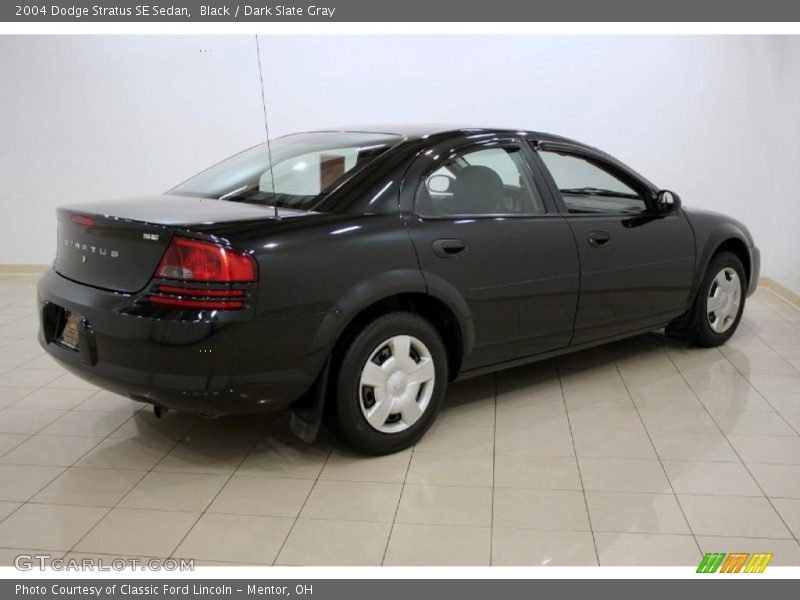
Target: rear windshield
{"x":304,"y":166}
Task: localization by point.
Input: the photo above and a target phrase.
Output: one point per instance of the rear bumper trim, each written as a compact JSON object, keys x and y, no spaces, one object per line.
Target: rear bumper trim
{"x":235,"y":364}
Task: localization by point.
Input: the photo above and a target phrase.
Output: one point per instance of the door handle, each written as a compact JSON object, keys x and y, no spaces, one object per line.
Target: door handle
{"x":598,"y":239}
{"x":448,"y":248}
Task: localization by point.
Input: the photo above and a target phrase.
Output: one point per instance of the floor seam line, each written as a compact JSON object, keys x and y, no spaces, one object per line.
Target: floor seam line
{"x":577,"y":463}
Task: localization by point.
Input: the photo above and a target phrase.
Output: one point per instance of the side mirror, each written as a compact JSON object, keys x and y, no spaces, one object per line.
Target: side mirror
{"x":667,"y":201}
{"x":439,"y":184}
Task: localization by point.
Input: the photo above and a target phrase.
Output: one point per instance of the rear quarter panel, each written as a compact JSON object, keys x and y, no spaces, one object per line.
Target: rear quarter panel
{"x":329,"y":265}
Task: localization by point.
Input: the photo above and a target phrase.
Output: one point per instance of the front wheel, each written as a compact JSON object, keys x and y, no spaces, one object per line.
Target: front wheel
{"x":720,"y":301}
{"x":390,"y":384}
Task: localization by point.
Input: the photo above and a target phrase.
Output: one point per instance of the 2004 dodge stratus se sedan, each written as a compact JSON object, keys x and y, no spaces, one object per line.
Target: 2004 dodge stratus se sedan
{"x":363,"y":270}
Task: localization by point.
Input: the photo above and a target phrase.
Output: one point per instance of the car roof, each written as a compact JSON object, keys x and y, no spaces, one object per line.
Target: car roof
{"x":442,"y":132}
{"x":426,"y":130}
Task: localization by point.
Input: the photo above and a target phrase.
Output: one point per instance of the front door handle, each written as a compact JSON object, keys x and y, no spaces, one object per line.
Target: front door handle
{"x":448,"y":247}
{"x":598,"y":239}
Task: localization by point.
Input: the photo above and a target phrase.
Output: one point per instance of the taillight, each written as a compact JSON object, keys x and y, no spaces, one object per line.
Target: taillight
{"x":81,"y":220}
{"x":184,"y":291}
{"x":195,"y":260}
{"x":198,"y":298}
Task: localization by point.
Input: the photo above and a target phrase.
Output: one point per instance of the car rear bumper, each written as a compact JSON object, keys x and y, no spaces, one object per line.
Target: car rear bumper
{"x":221,"y":362}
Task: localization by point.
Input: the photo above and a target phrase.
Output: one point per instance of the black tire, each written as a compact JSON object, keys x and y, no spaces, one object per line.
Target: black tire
{"x":351,"y":422}
{"x":696,"y":326}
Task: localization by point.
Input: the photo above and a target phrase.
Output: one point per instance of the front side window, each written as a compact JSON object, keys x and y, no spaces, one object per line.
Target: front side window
{"x":487,"y":181}
{"x":303,"y":166}
{"x":587,"y":188}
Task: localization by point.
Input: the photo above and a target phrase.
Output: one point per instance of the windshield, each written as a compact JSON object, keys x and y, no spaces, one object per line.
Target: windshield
{"x":304,"y":166}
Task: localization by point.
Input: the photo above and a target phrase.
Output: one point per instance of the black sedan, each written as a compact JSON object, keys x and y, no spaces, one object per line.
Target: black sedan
{"x":364,"y":269}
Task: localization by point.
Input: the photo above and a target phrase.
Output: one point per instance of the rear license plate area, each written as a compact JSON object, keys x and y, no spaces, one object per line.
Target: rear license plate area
{"x":69,"y":336}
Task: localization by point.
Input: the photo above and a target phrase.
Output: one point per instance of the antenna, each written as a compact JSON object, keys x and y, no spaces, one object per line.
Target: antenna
{"x":266,"y":128}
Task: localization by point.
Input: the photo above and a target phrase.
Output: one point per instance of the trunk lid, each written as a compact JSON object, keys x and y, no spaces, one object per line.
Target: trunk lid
{"x":117,"y":245}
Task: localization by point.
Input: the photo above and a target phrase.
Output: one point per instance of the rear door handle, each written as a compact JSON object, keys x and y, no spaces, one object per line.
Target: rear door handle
{"x":598,"y":239}
{"x":448,"y":247}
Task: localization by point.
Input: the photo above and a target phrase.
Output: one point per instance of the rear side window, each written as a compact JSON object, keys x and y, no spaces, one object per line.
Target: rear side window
{"x":486,"y":181}
{"x":293,"y":171}
{"x":588,"y":188}
{"x":308,"y":174}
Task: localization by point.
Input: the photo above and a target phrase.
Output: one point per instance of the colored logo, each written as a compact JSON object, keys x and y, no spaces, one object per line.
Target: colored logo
{"x":735,"y":562}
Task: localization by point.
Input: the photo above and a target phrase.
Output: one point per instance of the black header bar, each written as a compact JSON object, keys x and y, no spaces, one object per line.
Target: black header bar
{"x":401,"y":11}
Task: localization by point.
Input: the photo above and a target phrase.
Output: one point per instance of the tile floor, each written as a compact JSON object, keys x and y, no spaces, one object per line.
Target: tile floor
{"x":641,"y":452}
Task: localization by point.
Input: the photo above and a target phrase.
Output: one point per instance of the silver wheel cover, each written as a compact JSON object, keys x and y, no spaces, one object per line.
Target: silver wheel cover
{"x":396,"y":384}
{"x":722,"y":302}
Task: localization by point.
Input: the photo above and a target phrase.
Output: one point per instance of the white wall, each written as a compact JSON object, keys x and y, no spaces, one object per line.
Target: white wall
{"x":713,"y":118}
{"x":88,"y":118}
{"x":784,"y":206}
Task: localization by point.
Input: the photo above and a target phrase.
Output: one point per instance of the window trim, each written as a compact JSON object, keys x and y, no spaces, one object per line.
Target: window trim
{"x":469,"y":147}
{"x":637,"y":184}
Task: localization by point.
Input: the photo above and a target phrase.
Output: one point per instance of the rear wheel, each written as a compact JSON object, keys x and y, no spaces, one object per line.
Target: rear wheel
{"x":390,"y":383}
{"x":719,"y":304}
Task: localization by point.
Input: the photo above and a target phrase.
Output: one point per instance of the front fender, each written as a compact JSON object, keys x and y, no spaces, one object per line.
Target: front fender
{"x":712,"y":230}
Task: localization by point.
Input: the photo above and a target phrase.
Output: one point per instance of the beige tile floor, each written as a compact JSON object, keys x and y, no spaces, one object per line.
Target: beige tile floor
{"x":641,"y":452}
